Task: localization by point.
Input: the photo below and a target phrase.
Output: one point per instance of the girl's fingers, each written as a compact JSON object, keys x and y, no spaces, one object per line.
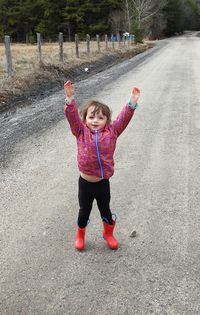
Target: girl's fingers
{"x":136,"y":91}
{"x":69,"y":88}
{"x":68,"y":84}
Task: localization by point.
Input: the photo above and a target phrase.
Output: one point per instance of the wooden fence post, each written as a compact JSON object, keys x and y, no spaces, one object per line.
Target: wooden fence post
{"x":61,"y":46}
{"x":76,"y":45}
{"x":106,"y":41}
{"x":113,"y":41}
{"x":123,"y":39}
{"x":8,"y":56}
{"x":132,"y":40}
{"x":88,"y":44}
{"x":98,"y":43}
{"x":118,"y":39}
{"x":39,"y":46}
{"x":127,"y":41}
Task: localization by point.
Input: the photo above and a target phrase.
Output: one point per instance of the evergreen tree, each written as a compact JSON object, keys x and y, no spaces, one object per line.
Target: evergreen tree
{"x":193,"y":14}
{"x":174,"y":14}
{"x":18,"y":18}
{"x":51,"y":22}
{"x":21,"y":19}
{"x":5,"y":22}
{"x":90,"y":17}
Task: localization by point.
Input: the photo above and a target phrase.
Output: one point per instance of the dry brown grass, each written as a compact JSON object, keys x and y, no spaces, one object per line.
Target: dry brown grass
{"x":25,"y":58}
{"x":27,"y":69}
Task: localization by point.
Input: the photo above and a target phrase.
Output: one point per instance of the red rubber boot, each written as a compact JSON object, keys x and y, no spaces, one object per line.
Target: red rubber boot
{"x":79,"y":243}
{"x":108,"y":235}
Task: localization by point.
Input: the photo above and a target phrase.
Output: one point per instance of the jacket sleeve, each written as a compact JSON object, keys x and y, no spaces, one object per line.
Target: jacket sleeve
{"x":122,"y":120}
{"x":73,"y":118}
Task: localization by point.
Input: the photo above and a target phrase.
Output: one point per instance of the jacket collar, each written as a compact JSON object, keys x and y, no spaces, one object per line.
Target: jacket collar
{"x":93,"y":131}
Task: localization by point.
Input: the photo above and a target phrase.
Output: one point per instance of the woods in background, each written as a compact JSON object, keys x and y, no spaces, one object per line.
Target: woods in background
{"x":153,"y":18}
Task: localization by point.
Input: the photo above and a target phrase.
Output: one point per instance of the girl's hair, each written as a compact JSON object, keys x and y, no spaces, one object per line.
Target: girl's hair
{"x":97,"y":108}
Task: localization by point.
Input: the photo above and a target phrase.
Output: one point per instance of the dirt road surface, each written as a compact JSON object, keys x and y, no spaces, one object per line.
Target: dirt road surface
{"x":155,"y":192}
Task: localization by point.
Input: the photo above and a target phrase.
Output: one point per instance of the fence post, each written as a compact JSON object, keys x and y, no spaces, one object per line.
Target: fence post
{"x":113,"y":41}
{"x":98,"y":42}
{"x":61,"y":46}
{"x":118,"y":39}
{"x":128,"y":41}
{"x":106,"y":41}
{"x":39,"y":46}
{"x":132,"y":40}
{"x":88,"y":44}
{"x":8,"y":56}
{"x":123,"y":39}
{"x":76,"y":45}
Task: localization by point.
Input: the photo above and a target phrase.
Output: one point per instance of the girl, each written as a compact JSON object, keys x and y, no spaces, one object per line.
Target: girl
{"x":96,"y":140}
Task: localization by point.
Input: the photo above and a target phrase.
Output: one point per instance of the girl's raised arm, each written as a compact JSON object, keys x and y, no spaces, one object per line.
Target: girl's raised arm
{"x":69,"y":91}
{"x":127,"y":112}
{"x":135,"y":94}
{"x":70,"y":109}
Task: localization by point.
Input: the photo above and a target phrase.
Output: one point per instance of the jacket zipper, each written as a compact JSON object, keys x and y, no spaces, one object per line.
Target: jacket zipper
{"x":98,"y":153}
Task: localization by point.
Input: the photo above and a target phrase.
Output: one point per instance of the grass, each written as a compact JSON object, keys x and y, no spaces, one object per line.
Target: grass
{"x":29,"y":71}
{"x":25,"y":58}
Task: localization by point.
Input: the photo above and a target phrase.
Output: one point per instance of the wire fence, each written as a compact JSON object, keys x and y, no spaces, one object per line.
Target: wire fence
{"x":13,"y":55}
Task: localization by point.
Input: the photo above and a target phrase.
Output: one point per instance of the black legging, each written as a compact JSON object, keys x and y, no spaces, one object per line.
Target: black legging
{"x":87,"y":193}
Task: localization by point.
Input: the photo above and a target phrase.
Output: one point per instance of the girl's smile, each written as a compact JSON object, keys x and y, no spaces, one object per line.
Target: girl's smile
{"x":95,"y":121}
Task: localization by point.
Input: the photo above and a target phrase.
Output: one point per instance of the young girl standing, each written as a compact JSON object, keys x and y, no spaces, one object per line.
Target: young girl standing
{"x":96,"y":139}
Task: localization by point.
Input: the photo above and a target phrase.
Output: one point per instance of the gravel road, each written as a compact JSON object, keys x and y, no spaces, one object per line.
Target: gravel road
{"x":155,"y":192}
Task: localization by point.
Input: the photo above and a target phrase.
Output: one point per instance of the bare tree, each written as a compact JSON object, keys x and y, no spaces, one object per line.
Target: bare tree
{"x":157,"y":26}
{"x":140,"y":13}
{"x":127,"y":16}
{"x":143,"y":10}
{"x":117,"y":21}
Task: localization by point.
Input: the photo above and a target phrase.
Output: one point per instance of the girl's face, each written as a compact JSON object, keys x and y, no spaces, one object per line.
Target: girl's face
{"x":95,"y":121}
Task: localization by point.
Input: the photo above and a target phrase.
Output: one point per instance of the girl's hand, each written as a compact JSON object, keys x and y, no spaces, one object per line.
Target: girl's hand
{"x":135,"y":94}
{"x":69,"y":89}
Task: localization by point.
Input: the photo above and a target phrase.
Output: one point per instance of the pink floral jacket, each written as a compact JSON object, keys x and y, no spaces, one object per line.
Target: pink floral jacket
{"x":96,"y":148}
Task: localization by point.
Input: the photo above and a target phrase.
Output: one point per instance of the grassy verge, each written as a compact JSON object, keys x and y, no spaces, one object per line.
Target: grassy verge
{"x":32,"y":78}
